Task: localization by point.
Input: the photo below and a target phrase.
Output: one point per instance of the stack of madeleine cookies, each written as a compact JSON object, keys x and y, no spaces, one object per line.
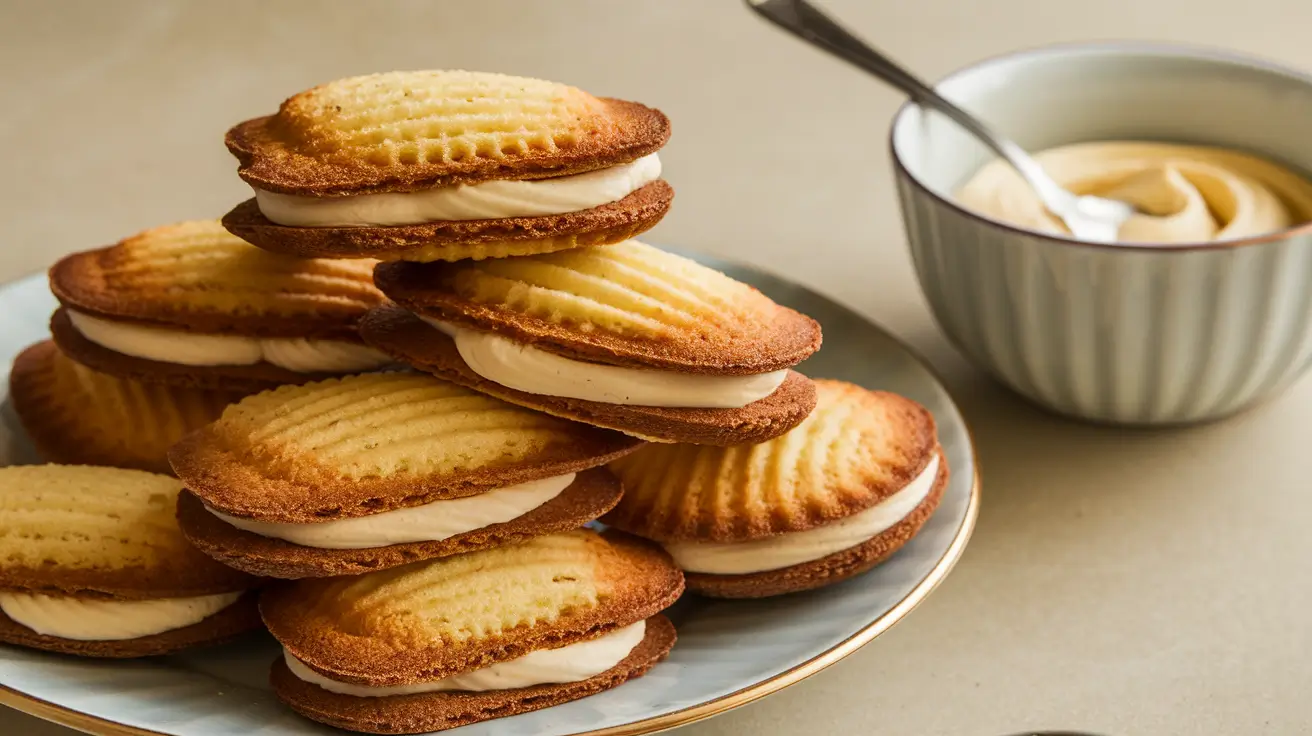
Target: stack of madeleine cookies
{"x":398,"y":388}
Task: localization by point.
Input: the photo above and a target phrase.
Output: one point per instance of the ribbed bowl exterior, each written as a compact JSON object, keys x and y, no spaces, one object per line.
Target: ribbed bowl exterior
{"x":1126,"y":336}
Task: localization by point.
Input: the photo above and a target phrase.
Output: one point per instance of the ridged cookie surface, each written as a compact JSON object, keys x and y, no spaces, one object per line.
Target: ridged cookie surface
{"x":439,"y":711}
{"x":857,"y":448}
{"x":76,"y":415}
{"x":627,"y":304}
{"x":402,"y":131}
{"x":411,"y":341}
{"x":455,"y":240}
{"x":369,"y":443}
{"x":198,"y":276}
{"x":83,"y":530}
{"x":433,"y":619}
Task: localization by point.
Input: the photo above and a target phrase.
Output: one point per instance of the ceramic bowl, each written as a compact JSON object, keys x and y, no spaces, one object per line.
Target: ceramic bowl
{"x":1127,"y":334}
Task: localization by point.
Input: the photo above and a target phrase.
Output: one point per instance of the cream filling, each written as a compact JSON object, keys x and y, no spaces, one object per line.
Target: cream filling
{"x":572,"y":663}
{"x":484,"y":201}
{"x":428,"y":523}
{"x":1185,"y":194}
{"x":95,"y":620}
{"x":794,"y":548}
{"x":166,"y":345}
{"x":525,"y":368}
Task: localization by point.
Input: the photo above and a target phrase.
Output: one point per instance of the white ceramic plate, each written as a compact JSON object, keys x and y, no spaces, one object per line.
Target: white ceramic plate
{"x":729,"y":653}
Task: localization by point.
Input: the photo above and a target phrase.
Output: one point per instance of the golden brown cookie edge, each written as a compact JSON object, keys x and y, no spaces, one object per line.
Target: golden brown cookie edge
{"x":593,"y":493}
{"x":194,"y":575}
{"x":77,"y":281}
{"x":410,"y":340}
{"x":406,"y":714}
{"x":266,"y":162}
{"x":456,"y":240}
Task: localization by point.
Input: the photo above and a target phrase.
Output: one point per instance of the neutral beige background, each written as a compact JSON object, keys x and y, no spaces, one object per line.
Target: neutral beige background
{"x":1119,"y":582}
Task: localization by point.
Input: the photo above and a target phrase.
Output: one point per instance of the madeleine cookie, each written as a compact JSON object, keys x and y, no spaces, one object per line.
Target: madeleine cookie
{"x":626,"y":336}
{"x":378,"y":470}
{"x":192,"y":305}
{"x":448,"y":165}
{"x":440,"y":644}
{"x":830,"y":499}
{"x":92,"y":563}
{"x":82,"y":417}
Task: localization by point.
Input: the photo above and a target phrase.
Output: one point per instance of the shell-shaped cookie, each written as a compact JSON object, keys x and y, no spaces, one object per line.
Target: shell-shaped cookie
{"x":623,"y":304}
{"x":77,"y":415}
{"x":432,"y":619}
{"x":369,"y":443}
{"x":409,"y":130}
{"x":856,"y":448}
{"x":198,"y":276}
{"x":91,"y":530}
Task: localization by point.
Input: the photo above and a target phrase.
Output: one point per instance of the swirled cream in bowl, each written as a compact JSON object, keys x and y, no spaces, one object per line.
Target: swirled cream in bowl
{"x":1202,"y":307}
{"x":1184,"y":193}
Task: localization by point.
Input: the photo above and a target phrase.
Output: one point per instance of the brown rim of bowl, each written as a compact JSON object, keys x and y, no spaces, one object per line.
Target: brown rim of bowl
{"x":1199,"y":52}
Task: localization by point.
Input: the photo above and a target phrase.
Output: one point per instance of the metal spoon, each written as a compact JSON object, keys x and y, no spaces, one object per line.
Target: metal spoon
{"x":1089,"y":218}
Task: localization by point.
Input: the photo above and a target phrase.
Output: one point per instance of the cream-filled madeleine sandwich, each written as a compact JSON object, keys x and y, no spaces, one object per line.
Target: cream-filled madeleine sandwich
{"x":828,"y":500}
{"x":92,"y":564}
{"x":446,"y":165}
{"x":193,"y":305}
{"x":624,"y":336}
{"x":444,"y":643}
{"x":377,"y":470}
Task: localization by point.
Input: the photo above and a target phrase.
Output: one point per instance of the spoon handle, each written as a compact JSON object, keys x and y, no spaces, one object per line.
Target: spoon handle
{"x":811,"y":25}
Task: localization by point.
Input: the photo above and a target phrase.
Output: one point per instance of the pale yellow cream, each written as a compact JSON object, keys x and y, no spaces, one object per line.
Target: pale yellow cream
{"x":1185,"y":194}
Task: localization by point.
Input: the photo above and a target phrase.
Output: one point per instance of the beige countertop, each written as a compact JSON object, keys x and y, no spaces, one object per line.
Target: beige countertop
{"x":1120,"y":582}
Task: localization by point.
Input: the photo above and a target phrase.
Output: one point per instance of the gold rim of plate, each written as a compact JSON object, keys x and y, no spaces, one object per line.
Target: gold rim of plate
{"x":97,"y":726}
